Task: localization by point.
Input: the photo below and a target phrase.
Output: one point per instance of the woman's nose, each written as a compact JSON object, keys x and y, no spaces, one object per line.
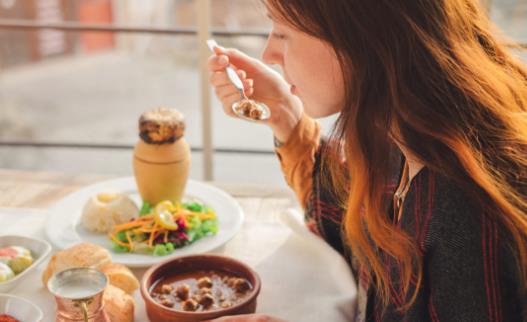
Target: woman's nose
{"x":271,"y":55}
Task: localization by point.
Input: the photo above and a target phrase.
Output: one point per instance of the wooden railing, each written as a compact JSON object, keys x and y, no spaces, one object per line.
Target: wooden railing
{"x":202,"y":31}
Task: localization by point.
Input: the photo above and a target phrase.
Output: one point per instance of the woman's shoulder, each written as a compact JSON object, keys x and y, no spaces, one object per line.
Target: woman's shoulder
{"x":451,"y":215}
{"x":467,"y":253}
{"x":447,"y":212}
{"x":446,"y":200}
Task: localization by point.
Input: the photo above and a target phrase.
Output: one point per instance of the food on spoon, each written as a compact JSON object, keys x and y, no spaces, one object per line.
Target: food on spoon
{"x":250,"y":109}
{"x":200,"y":291}
{"x":161,"y":229}
{"x":105,"y":210}
{"x":6,"y":273}
{"x":16,"y":257}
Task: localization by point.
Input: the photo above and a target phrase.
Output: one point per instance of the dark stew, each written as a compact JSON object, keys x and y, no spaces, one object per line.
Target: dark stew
{"x":200,"y":291}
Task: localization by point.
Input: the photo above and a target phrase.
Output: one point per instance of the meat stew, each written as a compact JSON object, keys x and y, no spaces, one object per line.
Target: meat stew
{"x":200,"y":291}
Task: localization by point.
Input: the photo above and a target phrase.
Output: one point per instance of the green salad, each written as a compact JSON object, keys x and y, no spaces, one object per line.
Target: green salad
{"x":162,"y":228}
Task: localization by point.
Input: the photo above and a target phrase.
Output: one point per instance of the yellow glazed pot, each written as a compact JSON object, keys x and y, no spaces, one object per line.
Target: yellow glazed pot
{"x":161,"y":157}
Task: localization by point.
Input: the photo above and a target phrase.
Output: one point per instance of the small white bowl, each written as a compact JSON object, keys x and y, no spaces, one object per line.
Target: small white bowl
{"x":20,"y":309}
{"x":39,"y":249}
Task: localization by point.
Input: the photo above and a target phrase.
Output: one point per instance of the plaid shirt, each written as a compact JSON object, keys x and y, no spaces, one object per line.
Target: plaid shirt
{"x":469,"y":269}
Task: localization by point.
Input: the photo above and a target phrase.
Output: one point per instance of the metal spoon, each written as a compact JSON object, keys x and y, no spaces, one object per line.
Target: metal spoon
{"x":237,"y":82}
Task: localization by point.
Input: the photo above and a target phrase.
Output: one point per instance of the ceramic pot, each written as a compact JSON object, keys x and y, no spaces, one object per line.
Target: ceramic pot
{"x":159,"y":313}
{"x":161,"y":170}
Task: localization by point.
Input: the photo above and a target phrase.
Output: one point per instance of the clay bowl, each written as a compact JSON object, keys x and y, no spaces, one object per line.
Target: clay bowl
{"x":181,"y":265}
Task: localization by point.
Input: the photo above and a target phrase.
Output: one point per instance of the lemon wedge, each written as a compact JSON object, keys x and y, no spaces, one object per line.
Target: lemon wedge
{"x":163,"y":215}
{"x":165,"y":206}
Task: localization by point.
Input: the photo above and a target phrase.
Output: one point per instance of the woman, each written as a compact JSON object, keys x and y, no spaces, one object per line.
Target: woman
{"x":423,"y":184}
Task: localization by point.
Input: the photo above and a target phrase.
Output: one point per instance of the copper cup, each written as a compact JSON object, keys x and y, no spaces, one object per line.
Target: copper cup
{"x":79,"y":295}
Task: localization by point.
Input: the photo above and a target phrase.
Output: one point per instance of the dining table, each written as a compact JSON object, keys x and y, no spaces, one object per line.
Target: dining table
{"x":303,"y":278}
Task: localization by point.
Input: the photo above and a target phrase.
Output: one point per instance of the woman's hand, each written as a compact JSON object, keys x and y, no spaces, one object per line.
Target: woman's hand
{"x":261,"y":84}
{"x":247,"y":318}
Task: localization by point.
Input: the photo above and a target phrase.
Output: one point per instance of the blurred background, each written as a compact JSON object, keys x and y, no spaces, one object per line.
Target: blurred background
{"x":70,"y":101}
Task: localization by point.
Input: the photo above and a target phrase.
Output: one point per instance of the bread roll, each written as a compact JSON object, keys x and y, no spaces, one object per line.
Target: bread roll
{"x":121,"y":277}
{"x":81,"y":255}
{"x":118,"y":305}
{"x":161,"y":125}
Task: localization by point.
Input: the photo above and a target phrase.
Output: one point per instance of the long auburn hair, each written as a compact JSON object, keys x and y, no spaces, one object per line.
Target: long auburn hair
{"x":431,"y":75}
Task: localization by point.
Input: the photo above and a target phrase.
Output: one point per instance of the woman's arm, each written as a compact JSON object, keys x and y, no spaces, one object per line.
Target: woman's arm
{"x":297,"y":157}
{"x":301,"y":159}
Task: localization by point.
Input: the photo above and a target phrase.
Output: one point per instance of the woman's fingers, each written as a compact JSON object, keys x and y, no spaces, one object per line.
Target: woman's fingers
{"x":227,"y":97}
{"x":249,"y":92}
{"x":237,"y":59}
{"x":228,"y":89}
{"x":240,"y":59}
{"x":248,"y":85}
{"x":218,"y":62}
{"x":220,"y":78}
{"x":241,"y":73}
{"x":226,"y":92}
{"x":219,"y":50}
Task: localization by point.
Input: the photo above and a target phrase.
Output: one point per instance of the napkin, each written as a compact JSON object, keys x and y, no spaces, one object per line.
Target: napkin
{"x":314,"y":282}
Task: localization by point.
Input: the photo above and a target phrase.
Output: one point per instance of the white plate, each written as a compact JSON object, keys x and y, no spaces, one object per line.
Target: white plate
{"x":19,"y":308}
{"x":39,"y":249}
{"x":64,"y":230}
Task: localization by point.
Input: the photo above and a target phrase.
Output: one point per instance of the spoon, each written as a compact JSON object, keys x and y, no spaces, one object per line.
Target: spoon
{"x":237,"y":82}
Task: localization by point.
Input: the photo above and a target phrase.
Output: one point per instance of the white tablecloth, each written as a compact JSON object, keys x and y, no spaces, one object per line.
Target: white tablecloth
{"x":303,"y":279}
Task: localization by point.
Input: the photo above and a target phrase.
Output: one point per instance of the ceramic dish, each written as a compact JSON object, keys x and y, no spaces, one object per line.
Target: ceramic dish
{"x":39,"y":249}
{"x":64,"y":230}
{"x":20,"y":309}
{"x":189,"y":264}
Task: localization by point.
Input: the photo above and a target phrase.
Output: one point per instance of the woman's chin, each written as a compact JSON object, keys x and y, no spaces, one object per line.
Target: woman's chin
{"x":317,"y":112}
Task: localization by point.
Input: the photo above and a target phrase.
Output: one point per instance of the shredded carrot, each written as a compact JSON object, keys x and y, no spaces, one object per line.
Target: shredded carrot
{"x":129,"y":238}
{"x":144,"y":230}
{"x":152,"y":237}
{"x":206,"y":216}
{"x":128,"y":225}
{"x":165,"y":238}
{"x":145,"y":218}
{"x":118,"y":242}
